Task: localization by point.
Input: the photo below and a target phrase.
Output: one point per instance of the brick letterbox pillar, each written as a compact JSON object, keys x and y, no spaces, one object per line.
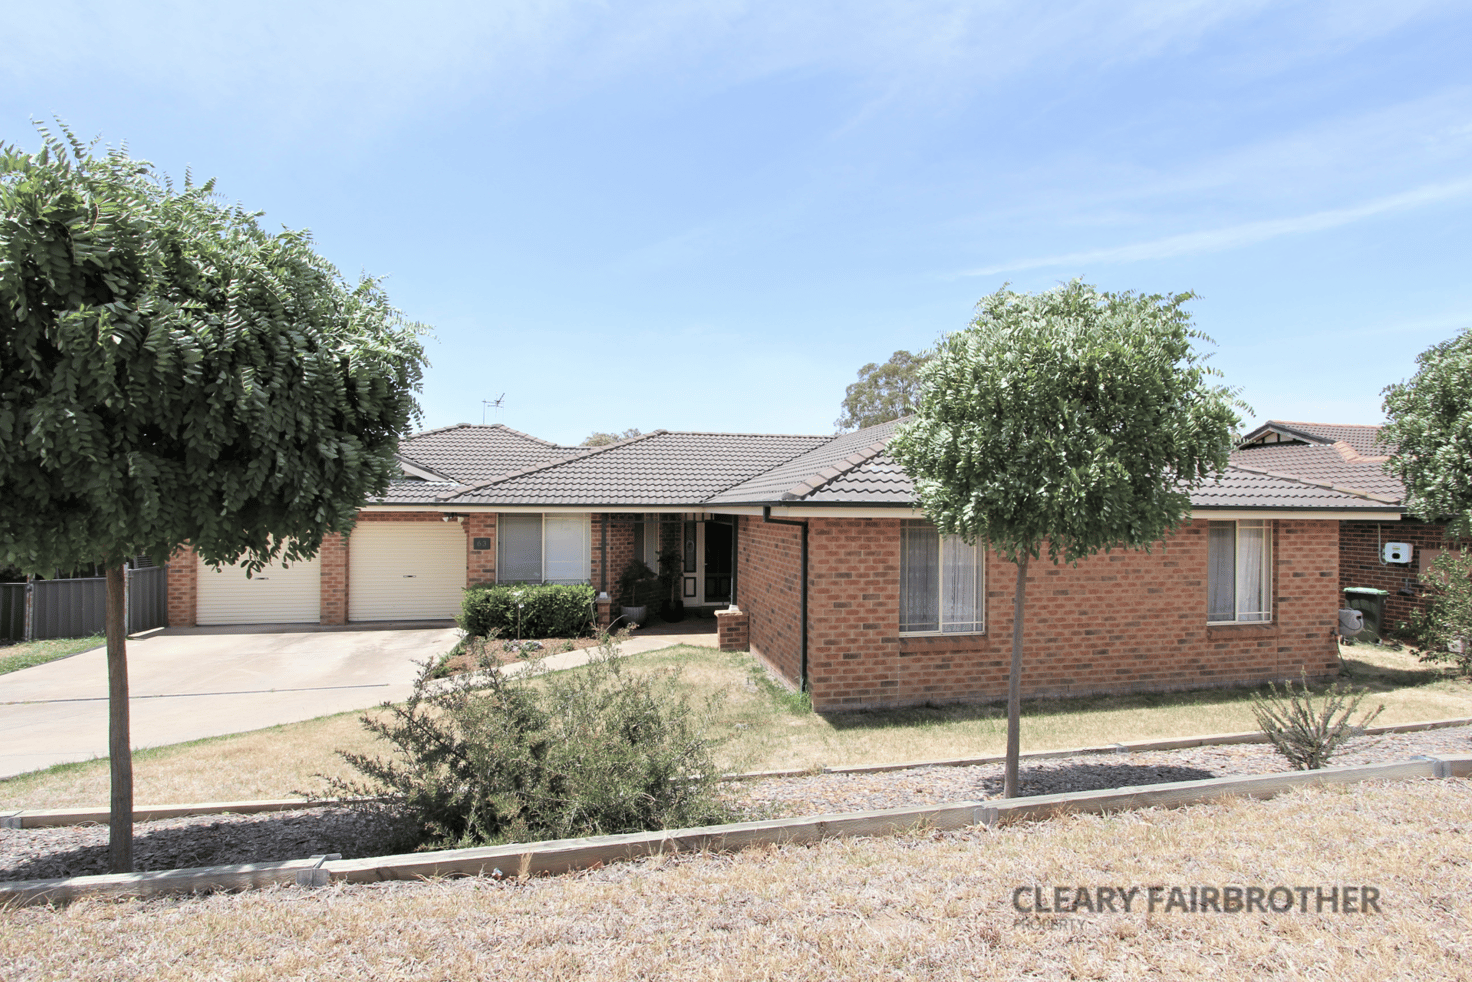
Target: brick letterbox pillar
{"x":733,"y":629}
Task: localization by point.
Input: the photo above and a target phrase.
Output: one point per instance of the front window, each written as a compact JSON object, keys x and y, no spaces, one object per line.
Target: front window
{"x":942,"y":582}
{"x":543,"y":549}
{"x":1239,"y":577}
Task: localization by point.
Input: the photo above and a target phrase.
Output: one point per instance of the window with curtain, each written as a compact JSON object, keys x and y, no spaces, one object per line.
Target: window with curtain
{"x":1239,"y":579}
{"x":543,"y":549}
{"x":942,"y":582}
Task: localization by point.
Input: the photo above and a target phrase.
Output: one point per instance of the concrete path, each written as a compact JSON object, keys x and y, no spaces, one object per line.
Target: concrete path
{"x":191,"y":683}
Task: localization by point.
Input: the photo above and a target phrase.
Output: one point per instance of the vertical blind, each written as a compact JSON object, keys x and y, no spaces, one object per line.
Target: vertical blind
{"x":942,"y":582}
{"x":543,"y":549}
{"x":519,"y":549}
{"x":1239,"y":571}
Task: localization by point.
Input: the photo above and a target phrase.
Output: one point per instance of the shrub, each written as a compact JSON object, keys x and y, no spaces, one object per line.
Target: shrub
{"x":1444,"y":628}
{"x":548,"y":611}
{"x":1308,"y":735}
{"x":637,"y":585}
{"x":486,"y":759}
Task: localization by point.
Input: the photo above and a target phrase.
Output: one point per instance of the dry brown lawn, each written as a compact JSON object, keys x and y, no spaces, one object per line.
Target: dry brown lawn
{"x":762,"y":727}
{"x":920,"y":906}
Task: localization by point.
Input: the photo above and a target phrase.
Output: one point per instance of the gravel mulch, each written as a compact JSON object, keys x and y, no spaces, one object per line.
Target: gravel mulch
{"x":211,"y":840}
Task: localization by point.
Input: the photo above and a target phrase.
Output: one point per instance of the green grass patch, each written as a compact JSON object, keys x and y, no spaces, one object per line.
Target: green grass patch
{"x":28,"y":654}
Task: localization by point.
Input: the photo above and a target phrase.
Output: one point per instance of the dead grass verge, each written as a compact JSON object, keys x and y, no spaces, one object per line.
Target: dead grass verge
{"x":922,"y":906}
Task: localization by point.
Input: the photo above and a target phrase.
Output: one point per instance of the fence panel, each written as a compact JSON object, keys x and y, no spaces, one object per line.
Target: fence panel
{"x":148,"y":598}
{"x":12,"y":612}
{"x":69,"y":608}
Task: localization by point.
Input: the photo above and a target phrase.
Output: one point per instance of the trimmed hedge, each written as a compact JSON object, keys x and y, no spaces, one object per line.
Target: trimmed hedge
{"x":548,"y":611}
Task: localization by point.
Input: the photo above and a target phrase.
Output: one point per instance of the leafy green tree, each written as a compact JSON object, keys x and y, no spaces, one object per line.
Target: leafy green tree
{"x":1430,"y":431}
{"x":883,"y":392}
{"x":1071,"y":418}
{"x":1444,"y":627}
{"x":598,"y":439}
{"x":170,"y":372}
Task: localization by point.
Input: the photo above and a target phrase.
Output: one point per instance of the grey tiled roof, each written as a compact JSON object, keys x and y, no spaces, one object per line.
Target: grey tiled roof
{"x":411,"y":492}
{"x":1363,"y":439}
{"x":802,"y":475}
{"x":471,"y":454}
{"x":659,"y":469}
{"x":1321,"y":464}
{"x":1239,"y":488}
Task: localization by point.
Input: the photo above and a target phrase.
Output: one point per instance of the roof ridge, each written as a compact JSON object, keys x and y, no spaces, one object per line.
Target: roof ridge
{"x":415,"y":462}
{"x":832,"y":472}
{"x":1353,"y":456}
{"x":547,"y":464}
{"x":1356,"y":492}
{"x":437,"y":429}
{"x":1300,"y":422}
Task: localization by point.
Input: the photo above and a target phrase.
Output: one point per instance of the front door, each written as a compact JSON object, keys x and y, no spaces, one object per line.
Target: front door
{"x":707,"y":566}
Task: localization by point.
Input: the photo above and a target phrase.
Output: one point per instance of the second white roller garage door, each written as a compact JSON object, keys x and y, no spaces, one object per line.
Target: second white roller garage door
{"x":405,"y":571}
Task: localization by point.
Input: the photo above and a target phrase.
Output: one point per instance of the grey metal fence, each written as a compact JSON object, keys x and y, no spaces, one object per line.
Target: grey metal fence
{"x":76,"y":608}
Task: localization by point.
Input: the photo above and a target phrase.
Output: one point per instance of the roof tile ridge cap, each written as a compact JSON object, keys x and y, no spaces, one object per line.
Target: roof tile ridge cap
{"x":1353,"y":456}
{"x":440,"y":429}
{"x":416,"y":462}
{"x":834,"y":471}
{"x":545,"y":465}
{"x":526,"y":436}
{"x":1355,"y":492}
{"x":781,"y":463}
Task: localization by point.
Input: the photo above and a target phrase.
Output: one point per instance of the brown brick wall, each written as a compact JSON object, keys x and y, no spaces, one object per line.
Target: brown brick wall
{"x":183,"y":587}
{"x":480,"y":564}
{"x":767,"y":589}
{"x":333,"y":608}
{"x":1359,"y":562}
{"x":1119,"y":622}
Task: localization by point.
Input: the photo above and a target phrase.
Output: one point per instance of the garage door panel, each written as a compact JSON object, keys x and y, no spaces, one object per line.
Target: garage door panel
{"x":403,"y":571}
{"x":276,"y":595}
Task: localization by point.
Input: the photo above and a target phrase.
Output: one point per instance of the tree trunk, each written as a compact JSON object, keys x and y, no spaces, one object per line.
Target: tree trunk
{"x":1014,"y":683}
{"x":119,"y":747}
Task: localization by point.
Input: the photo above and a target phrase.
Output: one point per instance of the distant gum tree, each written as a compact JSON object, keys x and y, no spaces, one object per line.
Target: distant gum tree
{"x":169,"y":373}
{"x":599,"y":439}
{"x":1429,"y":429}
{"x":1071,"y":419}
{"x":883,"y":392}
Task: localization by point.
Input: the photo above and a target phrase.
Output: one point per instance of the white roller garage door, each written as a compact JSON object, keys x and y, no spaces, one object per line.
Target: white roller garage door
{"x":275,"y":595}
{"x":405,"y":571}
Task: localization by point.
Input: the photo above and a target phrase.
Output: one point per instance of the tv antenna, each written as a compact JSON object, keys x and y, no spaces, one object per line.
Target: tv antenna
{"x":497,"y":404}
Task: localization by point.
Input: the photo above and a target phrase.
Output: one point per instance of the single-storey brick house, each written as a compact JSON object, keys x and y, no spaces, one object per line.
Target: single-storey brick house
{"x":1353,"y":458}
{"x":811,"y":552}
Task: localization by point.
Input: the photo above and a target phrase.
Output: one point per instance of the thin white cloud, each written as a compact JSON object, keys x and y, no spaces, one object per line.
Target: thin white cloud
{"x":1236,"y":236}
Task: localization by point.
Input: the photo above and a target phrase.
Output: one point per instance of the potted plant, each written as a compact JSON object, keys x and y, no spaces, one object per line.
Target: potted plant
{"x":671,"y":567}
{"x":635,"y":586}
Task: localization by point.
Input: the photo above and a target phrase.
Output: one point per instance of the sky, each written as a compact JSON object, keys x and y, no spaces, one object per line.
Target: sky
{"x":709,"y":215}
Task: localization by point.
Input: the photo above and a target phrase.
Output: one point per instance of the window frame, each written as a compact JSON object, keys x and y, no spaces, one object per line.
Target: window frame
{"x":1265,"y":616}
{"x":587,"y":556}
{"x":946,"y":542}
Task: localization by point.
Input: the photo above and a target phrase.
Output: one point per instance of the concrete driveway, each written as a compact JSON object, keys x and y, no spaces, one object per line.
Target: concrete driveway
{"x":189,"y":683}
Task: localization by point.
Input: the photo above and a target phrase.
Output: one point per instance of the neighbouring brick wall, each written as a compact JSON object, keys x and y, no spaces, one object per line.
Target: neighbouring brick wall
{"x":333,"y":607}
{"x":1360,"y":565}
{"x":480,"y":564}
{"x":183,"y":587}
{"x":1119,"y":622}
{"x":768,"y":571}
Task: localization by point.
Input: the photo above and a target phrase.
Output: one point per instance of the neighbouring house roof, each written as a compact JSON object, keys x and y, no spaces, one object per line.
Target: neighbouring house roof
{"x":1348,"y":458}
{"x":495,"y":465}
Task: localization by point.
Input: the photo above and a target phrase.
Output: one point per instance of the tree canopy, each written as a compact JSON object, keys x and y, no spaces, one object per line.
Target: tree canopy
{"x":1072,"y":417}
{"x":883,"y":392}
{"x":600,"y":439}
{"x":1430,"y":431}
{"x":171,"y":371}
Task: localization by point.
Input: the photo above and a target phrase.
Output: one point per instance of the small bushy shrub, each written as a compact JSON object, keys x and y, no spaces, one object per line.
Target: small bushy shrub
{"x":1306,"y":734}
{"x":637,"y":585}
{"x":485,"y":758}
{"x":547,"y":611}
{"x":1444,"y":628}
